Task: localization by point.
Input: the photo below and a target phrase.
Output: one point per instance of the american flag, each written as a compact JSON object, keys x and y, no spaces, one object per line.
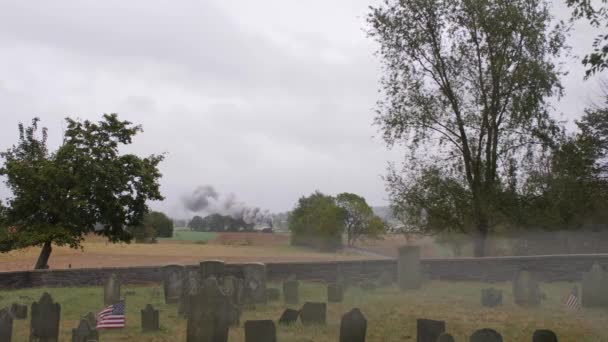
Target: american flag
{"x":112,"y":316}
{"x":572,"y":301}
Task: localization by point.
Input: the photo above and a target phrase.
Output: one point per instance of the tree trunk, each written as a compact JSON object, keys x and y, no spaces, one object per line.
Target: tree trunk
{"x":44,"y":256}
{"x":479,"y":239}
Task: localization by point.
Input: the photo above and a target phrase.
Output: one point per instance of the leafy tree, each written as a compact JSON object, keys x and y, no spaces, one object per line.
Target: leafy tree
{"x":360,"y":220}
{"x":143,"y":233}
{"x":317,"y":221}
{"x":196,"y":223}
{"x":597,"y":15}
{"x":85,"y":186}
{"x":161,"y":224}
{"x":465,"y":87}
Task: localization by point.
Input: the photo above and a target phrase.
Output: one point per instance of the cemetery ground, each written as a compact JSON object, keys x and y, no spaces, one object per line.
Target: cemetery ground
{"x":231,"y":247}
{"x":391,"y":314}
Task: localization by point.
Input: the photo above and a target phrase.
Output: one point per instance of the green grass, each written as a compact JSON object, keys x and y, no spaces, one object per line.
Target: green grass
{"x":188,"y":235}
{"x":391,"y":314}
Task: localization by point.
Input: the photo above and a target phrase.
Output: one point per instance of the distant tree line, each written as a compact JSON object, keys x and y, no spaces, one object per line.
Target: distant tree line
{"x":155,"y":225}
{"x":219,"y":223}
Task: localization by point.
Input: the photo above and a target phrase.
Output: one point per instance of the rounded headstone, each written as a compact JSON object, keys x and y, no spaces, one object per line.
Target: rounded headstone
{"x":445,"y":337}
{"x":485,"y":335}
{"x":544,"y":336}
{"x":353,"y":326}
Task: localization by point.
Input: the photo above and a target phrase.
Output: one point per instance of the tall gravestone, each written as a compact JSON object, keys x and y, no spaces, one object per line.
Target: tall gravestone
{"x":595,"y":287}
{"x":353,"y":326}
{"x":111,"y":290}
{"x":485,"y":335}
{"x":6,"y":325}
{"x":313,"y":313}
{"x":211,"y":268}
{"x":335,"y":293}
{"x":408,"y":266}
{"x":173,"y":278}
{"x":233,"y":288}
{"x":526,"y":290}
{"x":190,"y":287}
{"x":260,"y":331}
{"x":428,"y":330}
{"x":84,"y":332}
{"x":208,"y":319}
{"x":255,"y":282}
{"x":544,"y":336}
{"x":44,"y":325}
{"x":291,"y":293}
{"x":149,"y":319}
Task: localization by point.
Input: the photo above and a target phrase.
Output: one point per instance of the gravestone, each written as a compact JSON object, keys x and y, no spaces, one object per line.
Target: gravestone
{"x":255,"y":282}
{"x":353,"y":326}
{"x":485,"y":335}
{"x":6,"y":325}
{"x":260,"y":331}
{"x":595,"y":287}
{"x":313,"y":313}
{"x":335,"y":293}
{"x":149,"y":319}
{"x":291,"y":293}
{"x":84,"y":332}
{"x":428,"y":330}
{"x":385,"y":279}
{"x":445,"y":337}
{"x":173,"y":278}
{"x":44,"y":325}
{"x":90,"y":317}
{"x":491,"y":297}
{"x":289,"y":316}
{"x":526,"y":291}
{"x":208,"y":319}
{"x":233,"y":288}
{"x":19,"y":311}
{"x":211,"y":268}
{"x":190,"y":287}
{"x":111,"y":290}
{"x":544,"y":336}
{"x":273,"y":294}
{"x":408,"y":267}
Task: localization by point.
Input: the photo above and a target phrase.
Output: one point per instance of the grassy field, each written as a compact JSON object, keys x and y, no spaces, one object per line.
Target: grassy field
{"x":391,"y":314}
{"x":188,"y":235}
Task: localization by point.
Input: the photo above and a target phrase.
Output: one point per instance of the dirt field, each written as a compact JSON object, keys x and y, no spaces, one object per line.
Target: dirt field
{"x":389,"y":244}
{"x":230,"y":247}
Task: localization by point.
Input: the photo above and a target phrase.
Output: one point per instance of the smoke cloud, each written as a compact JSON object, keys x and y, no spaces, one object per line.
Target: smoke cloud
{"x":206,"y":200}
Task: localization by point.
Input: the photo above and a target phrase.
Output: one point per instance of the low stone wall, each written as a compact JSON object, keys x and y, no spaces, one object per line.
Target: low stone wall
{"x":495,"y":269}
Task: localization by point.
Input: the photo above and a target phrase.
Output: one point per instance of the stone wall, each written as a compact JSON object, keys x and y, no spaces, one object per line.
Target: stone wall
{"x":494,"y":269}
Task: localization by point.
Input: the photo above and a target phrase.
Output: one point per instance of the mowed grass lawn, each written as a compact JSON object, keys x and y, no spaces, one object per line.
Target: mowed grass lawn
{"x":391,"y":314}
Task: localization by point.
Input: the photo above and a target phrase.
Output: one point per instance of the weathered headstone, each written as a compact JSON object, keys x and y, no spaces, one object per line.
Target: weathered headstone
{"x":211,"y":268}
{"x":445,"y":337}
{"x":335,"y":293}
{"x":595,"y":287}
{"x":260,"y":331}
{"x":44,"y":325}
{"x":313,"y":313}
{"x":208,"y":319}
{"x":190,"y":287}
{"x":485,"y":335}
{"x":428,"y":330}
{"x":6,"y":325}
{"x":544,"y":336}
{"x":526,"y":291}
{"x":149,"y":319}
{"x":291,"y":293}
{"x":233,"y":288}
{"x":255,"y":282}
{"x":173,"y":278}
{"x":111,"y":290}
{"x":408,"y":267}
{"x":273,"y":294}
{"x":90,"y":317}
{"x":491,"y":297}
{"x":19,"y":311}
{"x":353,"y":326}
{"x":289,"y":316}
{"x":84,"y":332}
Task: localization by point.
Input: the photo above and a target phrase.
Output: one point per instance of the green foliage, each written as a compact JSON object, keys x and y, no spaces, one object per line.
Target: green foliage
{"x":160,"y":223}
{"x":465,"y":86}
{"x":143,"y":233}
{"x":360,"y":220}
{"x":219,"y":223}
{"x":58,"y":197}
{"x":196,"y":223}
{"x":597,"y":16}
{"x":317,"y":221}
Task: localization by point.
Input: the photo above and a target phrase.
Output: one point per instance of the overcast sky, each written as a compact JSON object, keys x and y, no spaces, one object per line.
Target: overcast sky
{"x":269,"y":100}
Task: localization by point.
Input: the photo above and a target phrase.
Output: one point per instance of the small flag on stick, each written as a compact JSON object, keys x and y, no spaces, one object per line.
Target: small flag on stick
{"x":572,"y":301}
{"x":112,"y":316}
